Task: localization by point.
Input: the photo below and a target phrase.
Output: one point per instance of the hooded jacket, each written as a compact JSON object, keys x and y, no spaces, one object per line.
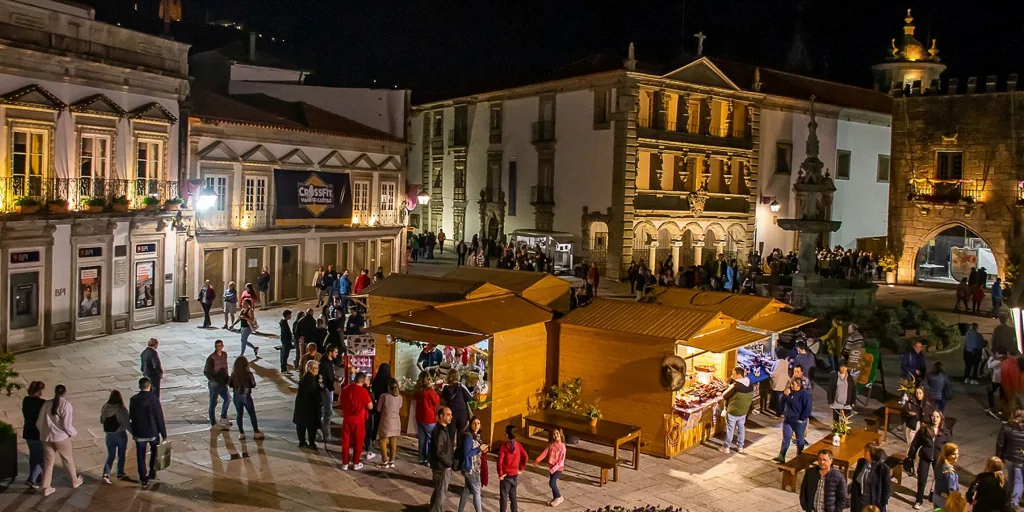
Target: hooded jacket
{"x":118,"y":411}
{"x":796,"y":407}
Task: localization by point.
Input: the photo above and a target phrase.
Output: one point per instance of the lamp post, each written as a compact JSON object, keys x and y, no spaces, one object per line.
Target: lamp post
{"x":423,"y":198}
{"x":207,"y":199}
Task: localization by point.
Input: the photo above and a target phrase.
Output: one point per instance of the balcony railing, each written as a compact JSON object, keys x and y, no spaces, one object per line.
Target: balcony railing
{"x":76,"y":191}
{"x":945,"y":191}
{"x":542,"y":195}
{"x":247,"y":217}
{"x":543,"y":131}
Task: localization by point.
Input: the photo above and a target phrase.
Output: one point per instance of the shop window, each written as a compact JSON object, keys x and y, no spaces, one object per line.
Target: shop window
{"x":28,"y":159}
{"x":255,"y":194}
{"x":783,"y":158}
{"x":949,"y":165}
{"x":361,"y":201}
{"x":883,"y":169}
{"x":843,"y":161}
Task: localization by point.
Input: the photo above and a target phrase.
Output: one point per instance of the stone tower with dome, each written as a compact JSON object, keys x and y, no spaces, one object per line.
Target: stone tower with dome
{"x":909,"y":63}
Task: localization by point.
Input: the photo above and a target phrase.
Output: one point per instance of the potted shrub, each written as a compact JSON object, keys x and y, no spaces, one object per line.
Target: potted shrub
{"x":26,"y":205}
{"x":593,"y":413}
{"x":8,"y":438}
{"x":119,"y":204}
{"x":840,"y":429}
{"x":888,"y":263}
{"x":173,"y":204}
{"x":57,"y":206}
{"x":567,"y":397}
{"x":151,"y":203}
{"x":95,"y":204}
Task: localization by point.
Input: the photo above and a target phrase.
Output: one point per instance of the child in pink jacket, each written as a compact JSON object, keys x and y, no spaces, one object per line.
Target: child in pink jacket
{"x":555,"y":452}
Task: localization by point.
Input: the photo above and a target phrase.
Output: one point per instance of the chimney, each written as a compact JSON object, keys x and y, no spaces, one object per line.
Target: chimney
{"x":972,"y":84}
{"x":954,"y":84}
{"x":990,"y":83}
{"x":1011,"y":82}
{"x":252,"y":46}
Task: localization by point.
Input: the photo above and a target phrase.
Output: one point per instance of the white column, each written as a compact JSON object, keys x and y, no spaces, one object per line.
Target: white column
{"x":651,"y":255}
{"x":697,"y":252}
{"x":675,"y":256}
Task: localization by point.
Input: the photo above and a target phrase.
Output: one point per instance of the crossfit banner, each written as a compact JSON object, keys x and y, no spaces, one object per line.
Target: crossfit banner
{"x":306,"y":198}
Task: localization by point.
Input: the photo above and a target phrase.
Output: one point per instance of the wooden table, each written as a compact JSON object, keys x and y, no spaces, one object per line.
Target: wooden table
{"x":892,"y":406}
{"x":851,"y":449}
{"x":606,"y":433}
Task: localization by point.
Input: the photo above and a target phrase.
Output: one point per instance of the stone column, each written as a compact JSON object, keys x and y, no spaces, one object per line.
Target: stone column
{"x":719,"y":248}
{"x":681,"y":171}
{"x":729,"y":117}
{"x":676,"y":245}
{"x":657,"y":169}
{"x":698,"y":248}
{"x":705,"y":115}
{"x":683,"y":113}
{"x":652,"y":254}
{"x":659,"y":116}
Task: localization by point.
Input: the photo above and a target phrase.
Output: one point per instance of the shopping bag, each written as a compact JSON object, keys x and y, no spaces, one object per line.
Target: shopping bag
{"x":163,"y":456}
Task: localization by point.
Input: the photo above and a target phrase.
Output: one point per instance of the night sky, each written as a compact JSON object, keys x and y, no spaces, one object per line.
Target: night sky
{"x":443,"y":48}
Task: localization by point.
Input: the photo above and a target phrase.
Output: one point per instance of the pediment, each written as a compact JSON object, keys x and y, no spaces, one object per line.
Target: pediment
{"x":260,"y":155}
{"x":98,"y":104}
{"x":333,"y":159}
{"x":153,"y":113}
{"x":218,"y":151}
{"x":702,"y":72}
{"x":34,"y":96}
{"x":296,"y":157}
{"x":364,"y":161}
{"x":390,"y":163}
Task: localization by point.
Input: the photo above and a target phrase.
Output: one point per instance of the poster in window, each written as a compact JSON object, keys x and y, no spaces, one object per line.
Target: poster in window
{"x":89,"y":290}
{"x":145,"y":284}
{"x":961,"y":261}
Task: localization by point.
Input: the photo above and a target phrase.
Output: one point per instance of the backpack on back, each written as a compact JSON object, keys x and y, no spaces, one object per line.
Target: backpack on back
{"x":111,"y":423}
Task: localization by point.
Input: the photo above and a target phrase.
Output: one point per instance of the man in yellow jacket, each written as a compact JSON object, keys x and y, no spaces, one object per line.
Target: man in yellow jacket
{"x":832,"y":344}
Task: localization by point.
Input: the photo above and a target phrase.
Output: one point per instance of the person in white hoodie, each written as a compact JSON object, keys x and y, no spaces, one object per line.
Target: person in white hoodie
{"x":995,"y":363}
{"x":56,"y":428}
{"x":116,"y":423}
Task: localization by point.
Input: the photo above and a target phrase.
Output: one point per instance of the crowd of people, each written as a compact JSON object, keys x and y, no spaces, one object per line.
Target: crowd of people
{"x":972,"y":289}
{"x":718,"y":274}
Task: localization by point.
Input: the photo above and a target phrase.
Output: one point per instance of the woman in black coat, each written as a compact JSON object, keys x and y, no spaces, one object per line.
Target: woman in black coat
{"x":870,"y":485}
{"x":457,"y":398}
{"x":378,"y":387}
{"x":917,"y":409}
{"x":987,"y":493}
{"x":925,"y":448}
{"x":308,"y":406}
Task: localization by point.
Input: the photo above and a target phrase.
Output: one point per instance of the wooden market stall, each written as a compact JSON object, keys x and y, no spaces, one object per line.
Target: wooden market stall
{"x":618,"y":349}
{"x":753,"y":310}
{"x":540,"y":287}
{"x":507,"y":333}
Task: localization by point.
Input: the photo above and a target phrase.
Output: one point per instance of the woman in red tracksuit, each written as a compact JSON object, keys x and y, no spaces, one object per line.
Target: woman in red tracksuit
{"x":355,"y":405}
{"x":511,"y":461}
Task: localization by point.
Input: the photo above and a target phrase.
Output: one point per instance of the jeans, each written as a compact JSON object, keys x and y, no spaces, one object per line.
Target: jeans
{"x":206,"y":314}
{"x":220,"y":390}
{"x":508,"y":493}
{"x":423,"y":433}
{"x":140,"y":454}
{"x":440,"y":495}
{"x":35,"y":460}
{"x":972,"y":363}
{"x":117,"y":443}
{"x":788,"y":429}
{"x":731,"y":425}
{"x":243,"y":402}
{"x":286,"y":350}
{"x":372,"y":418}
{"x":326,"y":412}
{"x":246,"y":331}
{"x":1013,"y":471}
{"x":940,"y":404}
{"x":471,"y":490}
{"x":553,"y":483}
{"x":992,"y":395}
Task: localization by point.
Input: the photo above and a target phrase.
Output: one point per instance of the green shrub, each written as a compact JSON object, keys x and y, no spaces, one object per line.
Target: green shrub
{"x":6,"y":432}
{"x":7,"y":374}
{"x":886,"y":326}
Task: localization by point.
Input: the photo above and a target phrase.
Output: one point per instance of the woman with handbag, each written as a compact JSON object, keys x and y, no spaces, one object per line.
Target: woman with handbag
{"x":987,"y":492}
{"x":242,"y":381}
{"x":916,"y":410}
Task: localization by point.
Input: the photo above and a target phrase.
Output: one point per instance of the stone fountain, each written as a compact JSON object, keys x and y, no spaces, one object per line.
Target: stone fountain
{"x":814,"y":190}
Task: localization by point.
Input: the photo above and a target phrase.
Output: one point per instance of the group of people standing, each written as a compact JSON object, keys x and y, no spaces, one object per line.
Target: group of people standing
{"x":421,"y":246}
{"x":972,"y":288}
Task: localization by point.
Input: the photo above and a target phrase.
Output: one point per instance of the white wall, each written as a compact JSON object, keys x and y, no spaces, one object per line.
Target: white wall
{"x":860,"y":203}
{"x":583,"y":162}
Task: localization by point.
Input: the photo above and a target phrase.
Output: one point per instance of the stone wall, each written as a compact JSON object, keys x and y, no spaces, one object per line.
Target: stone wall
{"x":988,"y":129}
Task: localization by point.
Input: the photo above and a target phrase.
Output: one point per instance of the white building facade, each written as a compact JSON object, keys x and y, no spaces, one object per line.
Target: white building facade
{"x":89,"y":120}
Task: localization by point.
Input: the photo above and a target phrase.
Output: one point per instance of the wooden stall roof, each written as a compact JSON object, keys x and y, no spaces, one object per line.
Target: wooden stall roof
{"x":464,"y":323}
{"x":779,"y":321}
{"x":539,"y":287}
{"x":432,"y":289}
{"x":650,"y":320}
{"x":741,"y":307}
{"x":725,"y":339}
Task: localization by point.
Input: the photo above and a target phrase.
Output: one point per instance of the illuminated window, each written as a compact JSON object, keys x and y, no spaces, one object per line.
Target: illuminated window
{"x":219,"y":184}
{"x":949,"y":165}
{"x":387,"y":196}
{"x":255,"y":194}
{"x":93,"y":156}
{"x":28,"y":155}
{"x":361,"y":200}
{"x":148,"y":167}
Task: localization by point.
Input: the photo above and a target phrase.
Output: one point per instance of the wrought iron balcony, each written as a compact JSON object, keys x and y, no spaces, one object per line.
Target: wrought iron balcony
{"x":944,"y":191}
{"x":543,"y":131}
{"x":79,"y":191}
{"x":544,"y":195}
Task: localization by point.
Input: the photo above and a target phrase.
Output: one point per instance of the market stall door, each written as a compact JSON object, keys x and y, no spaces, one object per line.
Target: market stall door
{"x":213,"y":271}
{"x":253,"y":265}
{"x":25,"y":329}
{"x":289,"y":288}
{"x":91,"y":300}
{"x":387,"y":256}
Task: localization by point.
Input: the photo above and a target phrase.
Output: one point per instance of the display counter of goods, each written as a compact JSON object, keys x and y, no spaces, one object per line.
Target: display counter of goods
{"x":360,"y":356}
{"x":758,"y":362}
{"x":696,"y":398}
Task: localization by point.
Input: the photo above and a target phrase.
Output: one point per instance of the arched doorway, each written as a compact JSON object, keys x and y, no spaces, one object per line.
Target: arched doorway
{"x":686,"y":251}
{"x":709,"y":252}
{"x":492,"y":228}
{"x":597,"y":246}
{"x":643,"y":235}
{"x":736,"y":244}
{"x":950,"y":255}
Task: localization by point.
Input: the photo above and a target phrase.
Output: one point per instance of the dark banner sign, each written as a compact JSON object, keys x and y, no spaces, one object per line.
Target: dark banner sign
{"x":145,"y":248}
{"x":90,"y":252}
{"x":25,"y":257}
{"x":305,"y":198}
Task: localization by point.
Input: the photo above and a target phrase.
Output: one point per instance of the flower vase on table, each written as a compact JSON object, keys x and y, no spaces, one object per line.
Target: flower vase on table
{"x":836,"y":439}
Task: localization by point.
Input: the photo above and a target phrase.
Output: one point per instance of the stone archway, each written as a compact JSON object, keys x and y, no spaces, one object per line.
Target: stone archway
{"x":736,"y":243}
{"x":947,"y":253}
{"x":595,"y":237}
{"x":644,"y":236}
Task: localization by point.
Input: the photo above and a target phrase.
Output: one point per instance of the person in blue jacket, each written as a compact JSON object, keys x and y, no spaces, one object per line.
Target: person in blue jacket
{"x":796,"y":410}
{"x":342,"y":289}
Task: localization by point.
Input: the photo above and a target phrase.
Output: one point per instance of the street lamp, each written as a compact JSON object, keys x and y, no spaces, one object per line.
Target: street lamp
{"x":207,"y":199}
{"x":775,"y":206}
{"x":423,"y":198}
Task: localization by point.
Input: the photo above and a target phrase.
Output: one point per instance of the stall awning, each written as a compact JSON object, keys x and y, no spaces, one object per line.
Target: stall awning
{"x":779,"y":322}
{"x":724,"y":340}
{"x":741,"y":307}
{"x":427,"y":334}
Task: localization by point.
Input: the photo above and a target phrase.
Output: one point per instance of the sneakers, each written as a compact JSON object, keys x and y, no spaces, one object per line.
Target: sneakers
{"x":32,"y":484}
{"x":917,"y":506}
{"x":224,"y":423}
{"x":48,"y":491}
{"x":370,"y":455}
{"x":357,"y":466}
{"x":557,"y":501}
{"x":781,"y":459}
{"x":739,"y":450}
{"x":344,"y":467}
{"x":152,"y":475}
{"x":241,"y":436}
{"x":78,"y":482}
{"x":106,"y":479}
{"x":144,"y":483}
{"x":258,"y":435}
{"x":391,"y":464}
{"x":724,"y":449}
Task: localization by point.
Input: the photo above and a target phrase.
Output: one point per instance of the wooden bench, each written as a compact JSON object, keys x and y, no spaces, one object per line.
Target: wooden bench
{"x":792,"y":468}
{"x":895,"y":463}
{"x":605,"y":462}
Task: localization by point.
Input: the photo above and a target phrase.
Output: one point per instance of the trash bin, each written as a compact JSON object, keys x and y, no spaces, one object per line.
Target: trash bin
{"x":181,"y":309}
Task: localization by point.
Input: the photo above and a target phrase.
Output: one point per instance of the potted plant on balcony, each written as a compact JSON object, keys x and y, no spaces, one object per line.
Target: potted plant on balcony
{"x":119,"y":204}
{"x":26,"y":205}
{"x":151,"y":203}
{"x":57,"y":206}
{"x":8,"y":438}
{"x":173,"y":204}
{"x":95,"y":204}
{"x":889,"y":263}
